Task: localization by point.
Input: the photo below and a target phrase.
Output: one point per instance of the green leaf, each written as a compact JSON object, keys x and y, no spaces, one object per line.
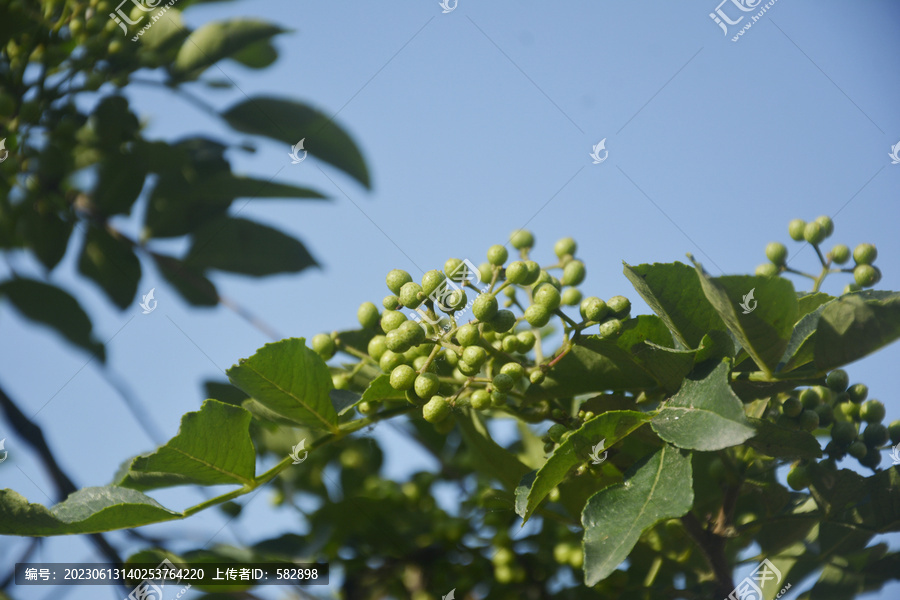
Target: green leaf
{"x":246,"y":247}
{"x":657,"y":487}
{"x":258,"y":55}
{"x":91,"y":510}
{"x":47,"y":235}
{"x":344,"y":400}
{"x":705,"y":414}
{"x":764,"y":331}
{"x":111,"y":264}
{"x":673,"y":292}
{"x":290,"y":122}
{"x":609,"y":427}
{"x":801,"y":347}
{"x":190,"y":282}
{"x":669,"y":367}
{"x":236,"y":186}
{"x":224,"y":392}
{"x":381,"y":389}
{"x":120,"y":179}
{"x":166,"y":33}
{"x":491,"y":458}
{"x":291,"y":380}
{"x":778,"y":442}
{"x":52,"y":306}
{"x":212,"y":447}
{"x":215,"y":41}
{"x":856,"y":325}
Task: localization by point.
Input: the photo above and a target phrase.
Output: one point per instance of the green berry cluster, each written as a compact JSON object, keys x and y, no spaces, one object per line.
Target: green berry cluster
{"x":865,"y":274}
{"x":843,"y":408}
{"x":441,"y":355}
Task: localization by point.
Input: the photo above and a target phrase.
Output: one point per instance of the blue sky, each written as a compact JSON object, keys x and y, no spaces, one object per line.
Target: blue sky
{"x":475,"y":123}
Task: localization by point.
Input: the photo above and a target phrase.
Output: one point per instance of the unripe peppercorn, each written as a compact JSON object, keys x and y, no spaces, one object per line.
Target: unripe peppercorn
{"x":485,"y":272}
{"x":510,"y":344}
{"x":593,"y":308}
{"x":826,"y":224}
{"x":537,"y":315}
{"x":865,"y":254}
{"x":403,"y":377}
{"x":514,"y":370}
{"x":467,"y":369}
{"x":411,"y":294}
{"x":857,"y":450}
{"x":474,"y":355}
{"x":840,"y":254}
{"x":451,"y":266}
{"x":480,"y":399}
{"x":426,"y":385}
{"x":796,"y":229}
{"x":412,"y":333}
{"x":497,"y":254}
{"x":838,"y":380}
{"x":391,"y":320}
{"x":367,"y":315}
{"x":875,"y":435}
{"x":610,"y":328}
{"x":377,"y":347}
{"x":813,"y":233}
{"x":536,"y":377}
{"x":547,"y":296}
{"x":809,"y":420}
{"x":468,"y":335}
{"x":843,"y":432}
{"x":571,"y":297}
{"x":791,"y":407}
{"x":573,"y":273}
{"x":396,"y":278}
{"x":323,"y":345}
{"x":777,"y":253}
{"x":389,"y":360}
{"x":517,"y":272}
{"x":498,"y":398}
{"x":767,"y":270}
{"x":436,"y":410}
{"x":502,"y":382}
{"x":503,"y":321}
{"x":872,"y":411}
{"x":556,"y":431}
{"x":485,"y":307}
{"x":858,"y":392}
{"x":865,"y":275}
{"x":521,"y":239}
{"x":564,"y":246}
{"x":526,"y":341}
{"x":894,"y":432}
{"x":431,"y":280}
{"x":799,"y":478}
{"x":533,"y":272}
{"x":391,"y":302}
{"x":620,"y":306}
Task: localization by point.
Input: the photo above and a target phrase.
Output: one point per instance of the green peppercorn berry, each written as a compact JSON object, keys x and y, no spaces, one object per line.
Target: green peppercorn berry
{"x":536,"y":377}
{"x":894,"y":432}
{"x":403,"y":377}
{"x":573,"y":273}
{"x":480,"y":400}
{"x":593,"y":309}
{"x":537,"y":315}
{"x":813,"y":233}
{"x":858,"y":392}
{"x":431,"y":280}
{"x":548,"y":447}
{"x":840,"y":254}
{"x":564,"y":246}
{"x":875,"y":435}
{"x":391,"y":302}
{"x":620,"y":306}
{"x":397,"y":341}
{"x":497,"y":255}
{"x":485,"y":307}
{"x":396,"y":278}
{"x":796,"y":229}
{"x":390,"y":360}
{"x":865,"y":275}
{"x":767,"y":270}
{"x":810,"y":398}
{"x":544,"y":277}
{"x":871,"y":460}
{"x":426,"y":385}
{"x":468,"y":335}
{"x":799,"y":478}
{"x":777,"y":253}
{"x":498,"y":398}
{"x":340,"y":381}
{"x":571,"y":297}
{"x":547,"y":296}
{"x":850,"y":411}
{"x":610,"y":328}
{"x":809,"y":420}
{"x":556,"y":432}
{"x":857,"y":450}
{"x":413,"y":333}
{"x":526,"y":341}
{"x":517,"y":272}
{"x":826,"y":414}
{"x":865,"y":254}
{"x":826,"y":224}
{"x":419,"y":363}
{"x":838,"y":380}
{"x":367,"y":314}
{"x":377,"y":347}
{"x":872,"y":411}
{"x":367,"y":408}
{"x":411,"y":294}
{"x":503,"y":321}
{"x":456,"y":300}
{"x":521,"y":239}
{"x":533,"y":272}
{"x":474,"y":355}
{"x":502,"y":382}
{"x":451,"y":266}
{"x":510,"y":344}
{"x":514,"y":370}
{"x":466,"y":369}
{"x":391,"y":320}
{"x":436,"y":410}
{"x":843,"y":432}
{"x":791,"y":407}
{"x":323,"y":345}
{"x":850,"y":288}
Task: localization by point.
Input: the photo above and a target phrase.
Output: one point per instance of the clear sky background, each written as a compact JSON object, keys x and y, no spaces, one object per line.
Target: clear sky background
{"x":475,"y":123}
